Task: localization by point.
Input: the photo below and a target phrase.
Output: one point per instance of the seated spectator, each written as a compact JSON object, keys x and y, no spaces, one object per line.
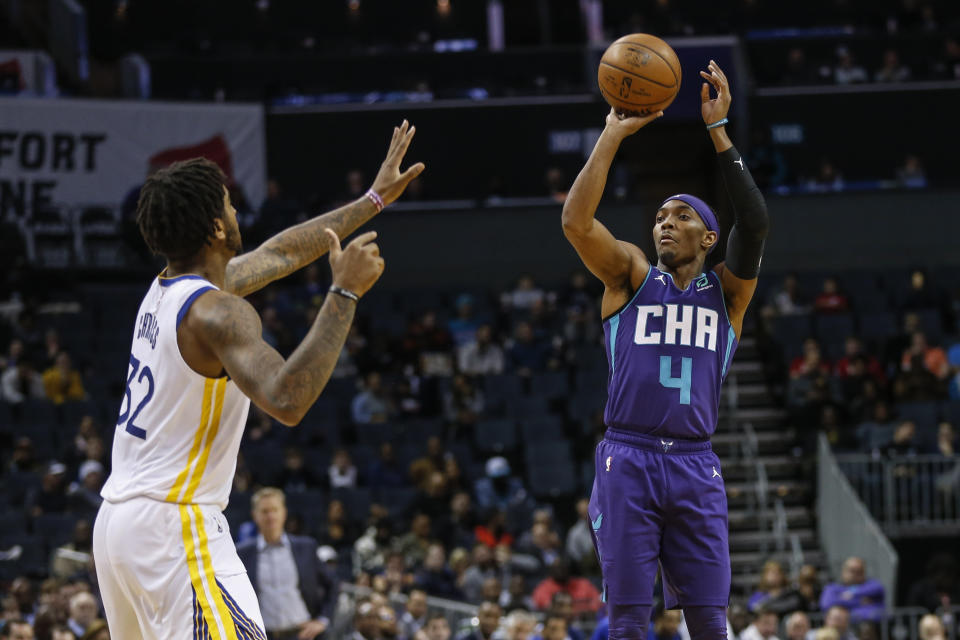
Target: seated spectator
{"x":481,"y":356}
{"x":62,"y":382}
{"x":939,"y":586}
{"x":808,"y":585}
{"x":518,"y":596}
{"x":291,"y":585}
{"x":24,"y":456}
{"x":61,"y":632}
{"x":787,"y":299}
{"x":414,"y":616}
{"x":797,"y":72}
{"x":434,"y":498}
{"x":828,"y":178}
{"x":435,"y":577}
{"x":774,"y":592}
{"x":916,"y":384}
{"x":665,"y":625}
{"x":933,"y":359}
{"x":499,"y":489}
{"x":798,"y":626}
{"x":386,"y":470}
{"x":897,"y":344}
{"x":811,"y":362}
{"x":828,"y":633}
{"x":738,"y":619}
{"x":433,"y":461}
{"x":85,"y":494}
{"x":83,"y":611}
{"x":464,"y":326}
{"x":342,"y":474}
{"x":554,"y":628}
{"x":416,"y":542}
{"x":519,"y":625}
{"x":911,"y":174}
{"x":931,"y":628}
{"x":463,"y":403}
{"x":540,"y":542}
{"x":492,"y":530}
{"x":366,"y":622}
{"x":73,"y":558}
{"x":579,"y":546}
{"x":562,"y":605}
{"x":837,"y":620}
{"x":586,"y":598}
{"x":295,"y":475}
{"x":831,"y":299}
{"x":488,"y":621}
{"x":892,"y":70}
{"x":17,"y":629}
{"x":847,"y":71}
{"x":21,"y":382}
{"x":525,"y":295}
{"x":528,"y":354}
{"x":853,"y":351}
{"x":922,"y":293}
{"x":436,"y":628}
{"x":863,"y":597}
{"x":483,"y":567}
{"x":371,"y":405}
{"x":51,"y":495}
{"x":337,"y":531}
{"x":456,"y":526}
{"x":946,"y":445}
{"x":764,"y":626}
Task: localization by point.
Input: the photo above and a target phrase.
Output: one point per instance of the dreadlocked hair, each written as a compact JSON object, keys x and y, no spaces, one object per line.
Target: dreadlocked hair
{"x":178,"y":205}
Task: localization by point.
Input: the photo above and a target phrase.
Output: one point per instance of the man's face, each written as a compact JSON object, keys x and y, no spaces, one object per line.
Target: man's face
{"x":62,"y":634}
{"x":83,"y":609}
{"x":679,"y":234}
{"x":853,"y":569}
{"x":555,"y":629}
{"x":231,"y":228}
{"x":797,"y":627}
{"x":417,"y":604}
{"x":270,"y":515}
{"x":838,"y":618}
{"x":562,"y":605}
{"x":438,"y":629}
{"x":489,"y":617}
{"x":767,"y":624}
{"x":21,"y":632}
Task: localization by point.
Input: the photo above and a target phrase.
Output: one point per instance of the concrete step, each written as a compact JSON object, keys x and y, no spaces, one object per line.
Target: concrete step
{"x":746,"y":371}
{"x":778,"y":467}
{"x":798,"y":517}
{"x":754,"y":540}
{"x":778,"y":442}
{"x":749,"y":561}
{"x":761,"y":418}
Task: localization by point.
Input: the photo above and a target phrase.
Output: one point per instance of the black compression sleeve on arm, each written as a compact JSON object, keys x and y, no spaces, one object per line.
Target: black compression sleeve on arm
{"x":745,"y":244}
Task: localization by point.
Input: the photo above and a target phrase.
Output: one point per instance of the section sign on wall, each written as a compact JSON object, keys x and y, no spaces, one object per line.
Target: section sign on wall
{"x":97,"y":151}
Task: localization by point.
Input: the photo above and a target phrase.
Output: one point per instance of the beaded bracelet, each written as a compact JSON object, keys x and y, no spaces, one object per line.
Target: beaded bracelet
{"x":375,"y":199}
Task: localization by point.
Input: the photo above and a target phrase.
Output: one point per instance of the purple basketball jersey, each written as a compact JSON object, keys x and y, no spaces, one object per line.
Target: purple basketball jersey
{"x":668,"y":352}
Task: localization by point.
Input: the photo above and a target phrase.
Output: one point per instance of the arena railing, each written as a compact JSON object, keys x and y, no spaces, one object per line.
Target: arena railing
{"x":456,"y":613}
{"x":899,"y":623}
{"x":847,"y":527}
{"x":916,"y":495}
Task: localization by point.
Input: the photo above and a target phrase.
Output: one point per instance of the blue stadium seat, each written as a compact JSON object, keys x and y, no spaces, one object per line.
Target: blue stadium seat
{"x":6,"y":417}
{"x":552,"y":480}
{"x":397,"y":500}
{"x":495,"y":436}
{"x":550,"y":384}
{"x":592,"y":380}
{"x":833,"y":327}
{"x":55,"y":529}
{"x":356,"y":502}
{"x":38,"y":412}
{"x":265,"y":461}
{"x":419,"y":430}
{"x":546,"y":453}
{"x":463,"y":453}
{"x":13,"y":523}
{"x":17,"y":484}
{"x":373,"y":434}
{"x":931,"y":321}
{"x":950,"y":411}
{"x":498,"y":390}
{"x":791,"y":331}
{"x":298,"y":501}
{"x":363,"y":455}
{"x":526,"y":407}
{"x":542,"y":429}
{"x":878,"y":326}
{"x":583,"y":405}
{"x":75,"y":410}
{"x":924,"y":414}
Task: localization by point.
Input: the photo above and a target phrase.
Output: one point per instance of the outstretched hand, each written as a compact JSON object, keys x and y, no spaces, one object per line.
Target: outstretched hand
{"x":358,"y":266}
{"x":714,"y":110}
{"x":623,"y":124}
{"x":390,"y":183}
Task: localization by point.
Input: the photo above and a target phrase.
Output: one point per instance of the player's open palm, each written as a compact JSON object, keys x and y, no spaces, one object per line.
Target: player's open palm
{"x":358,"y":266}
{"x":714,"y":110}
{"x":389,"y":182}
{"x":624,"y":124}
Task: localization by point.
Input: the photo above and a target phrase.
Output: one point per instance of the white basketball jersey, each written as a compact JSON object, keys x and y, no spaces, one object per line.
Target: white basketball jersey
{"x":178,"y":432}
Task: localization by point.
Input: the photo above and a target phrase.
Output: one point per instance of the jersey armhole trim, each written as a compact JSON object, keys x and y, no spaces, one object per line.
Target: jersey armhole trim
{"x":189,"y":302}
{"x":723,"y":296}
{"x":632,"y":298}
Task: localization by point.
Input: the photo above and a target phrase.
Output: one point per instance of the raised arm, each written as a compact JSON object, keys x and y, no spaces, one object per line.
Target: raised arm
{"x":230,"y":329}
{"x":738,"y":273}
{"x":606,"y":257}
{"x":300,"y":245}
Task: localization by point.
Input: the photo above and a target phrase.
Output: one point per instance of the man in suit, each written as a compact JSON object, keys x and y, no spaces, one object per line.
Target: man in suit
{"x":296,"y":596}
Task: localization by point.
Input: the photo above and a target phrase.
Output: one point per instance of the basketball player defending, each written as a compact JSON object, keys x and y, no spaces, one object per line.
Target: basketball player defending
{"x":671,"y":330}
{"x":165,"y":560}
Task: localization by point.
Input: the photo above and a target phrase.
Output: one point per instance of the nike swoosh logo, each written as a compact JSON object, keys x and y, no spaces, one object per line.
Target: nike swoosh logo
{"x":598,"y":522}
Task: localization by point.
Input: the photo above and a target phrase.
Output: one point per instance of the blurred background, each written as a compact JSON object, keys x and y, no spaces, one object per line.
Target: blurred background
{"x":445,"y":467}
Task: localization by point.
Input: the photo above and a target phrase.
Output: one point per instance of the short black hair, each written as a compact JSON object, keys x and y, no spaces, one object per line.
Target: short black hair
{"x":178,"y":205}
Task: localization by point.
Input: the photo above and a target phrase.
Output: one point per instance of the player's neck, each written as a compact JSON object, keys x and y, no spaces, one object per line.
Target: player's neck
{"x":209,"y":265}
{"x":683,"y":274}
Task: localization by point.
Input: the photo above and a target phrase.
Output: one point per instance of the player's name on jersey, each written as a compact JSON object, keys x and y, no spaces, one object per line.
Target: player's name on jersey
{"x":685,"y":325}
{"x":148,"y":328}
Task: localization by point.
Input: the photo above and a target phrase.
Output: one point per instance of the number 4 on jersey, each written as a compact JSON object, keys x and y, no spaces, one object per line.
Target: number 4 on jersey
{"x":683,"y":382}
{"x":125,"y":416}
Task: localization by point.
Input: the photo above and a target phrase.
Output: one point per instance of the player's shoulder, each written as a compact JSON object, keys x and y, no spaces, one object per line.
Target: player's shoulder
{"x":217,"y":316}
{"x":639,"y":266}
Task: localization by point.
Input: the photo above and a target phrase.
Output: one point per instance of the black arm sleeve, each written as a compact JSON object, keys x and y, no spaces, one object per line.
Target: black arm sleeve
{"x":745,"y":243}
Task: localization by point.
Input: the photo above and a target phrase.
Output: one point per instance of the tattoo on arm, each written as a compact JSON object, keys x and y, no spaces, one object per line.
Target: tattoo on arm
{"x":284,"y":389}
{"x":293,"y":248}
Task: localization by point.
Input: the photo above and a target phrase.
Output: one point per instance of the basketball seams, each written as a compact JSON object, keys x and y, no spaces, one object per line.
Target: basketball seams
{"x":676,"y":80}
{"x":665,"y":103}
{"x":637,"y":75}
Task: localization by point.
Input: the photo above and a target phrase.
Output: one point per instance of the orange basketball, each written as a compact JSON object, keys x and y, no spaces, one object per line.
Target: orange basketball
{"x":639,"y":74}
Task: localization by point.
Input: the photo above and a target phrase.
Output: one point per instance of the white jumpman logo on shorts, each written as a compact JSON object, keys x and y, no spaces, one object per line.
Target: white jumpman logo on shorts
{"x":716,"y":474}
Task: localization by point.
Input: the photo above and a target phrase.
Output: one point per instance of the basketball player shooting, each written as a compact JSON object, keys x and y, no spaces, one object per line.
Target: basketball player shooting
{"x":671,"y":330}
{"x":165,"y":560}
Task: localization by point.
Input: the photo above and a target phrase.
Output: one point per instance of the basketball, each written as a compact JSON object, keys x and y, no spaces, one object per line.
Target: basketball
{"x":639,"y":74}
